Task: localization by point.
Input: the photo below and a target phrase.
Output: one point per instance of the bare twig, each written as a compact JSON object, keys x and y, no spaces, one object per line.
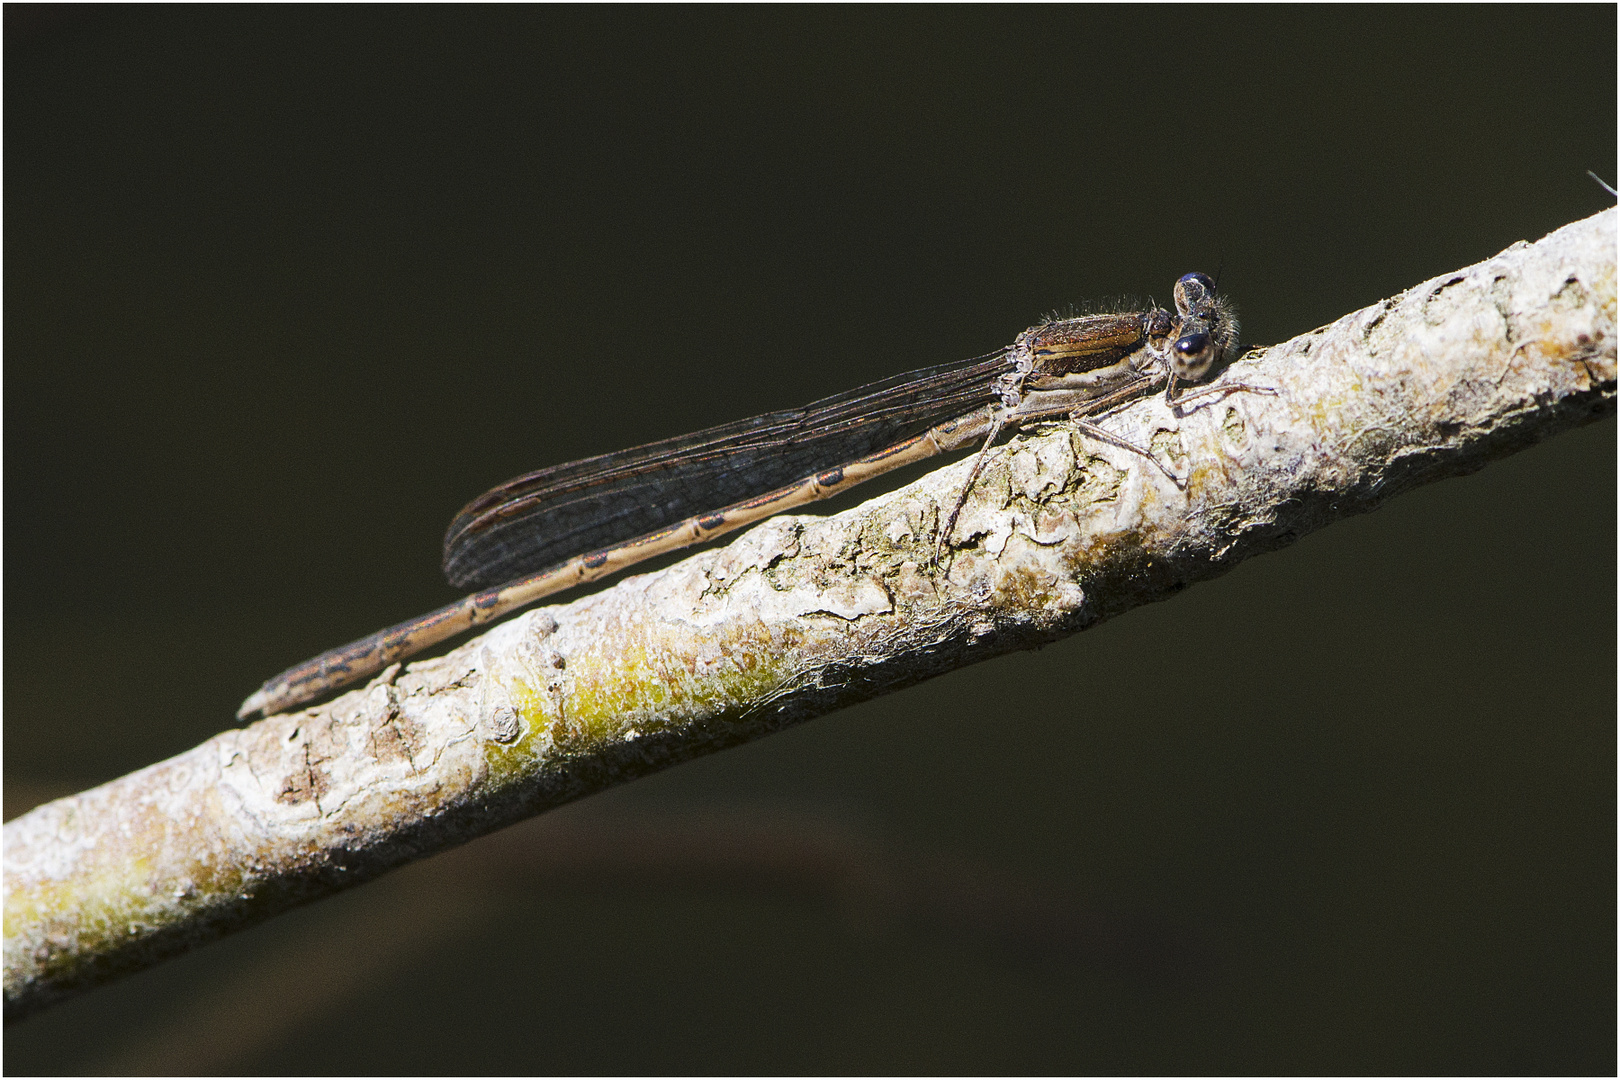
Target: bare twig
{"x":803,"y":615}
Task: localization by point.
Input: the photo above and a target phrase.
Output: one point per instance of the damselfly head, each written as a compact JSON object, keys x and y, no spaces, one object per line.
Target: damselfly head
{"x":1207,"y":333}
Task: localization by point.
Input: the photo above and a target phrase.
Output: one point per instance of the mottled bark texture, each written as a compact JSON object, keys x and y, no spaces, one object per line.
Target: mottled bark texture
{"x":804,"y":614}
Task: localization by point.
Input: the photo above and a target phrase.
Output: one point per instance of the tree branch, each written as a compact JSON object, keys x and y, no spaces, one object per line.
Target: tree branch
{"x":802,"y":615}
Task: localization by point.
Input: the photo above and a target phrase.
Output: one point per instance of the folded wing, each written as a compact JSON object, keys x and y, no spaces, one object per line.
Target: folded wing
{"x":542,"y":518}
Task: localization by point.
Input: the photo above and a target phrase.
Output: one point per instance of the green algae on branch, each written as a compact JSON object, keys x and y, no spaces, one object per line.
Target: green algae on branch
{"x":802,"y":614}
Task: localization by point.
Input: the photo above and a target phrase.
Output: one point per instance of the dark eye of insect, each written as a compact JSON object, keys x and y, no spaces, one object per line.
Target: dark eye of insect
{"x":1192,"y":344}
{"x":1195,"y":278}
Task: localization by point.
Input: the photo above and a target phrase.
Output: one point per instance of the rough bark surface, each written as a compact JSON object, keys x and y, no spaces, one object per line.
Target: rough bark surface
{"x":804,"y":614}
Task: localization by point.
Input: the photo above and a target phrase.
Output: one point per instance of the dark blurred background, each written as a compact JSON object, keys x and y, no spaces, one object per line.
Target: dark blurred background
{"x":284,"y":287}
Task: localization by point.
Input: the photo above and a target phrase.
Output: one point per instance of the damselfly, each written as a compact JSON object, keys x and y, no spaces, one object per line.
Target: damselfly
{"x":570,"y":524}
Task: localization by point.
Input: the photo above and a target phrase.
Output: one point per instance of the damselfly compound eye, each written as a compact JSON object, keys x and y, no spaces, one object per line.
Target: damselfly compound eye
{"x":1194,"y":293}
{"x":1192,"y":345}
{"x":1193,"y":355}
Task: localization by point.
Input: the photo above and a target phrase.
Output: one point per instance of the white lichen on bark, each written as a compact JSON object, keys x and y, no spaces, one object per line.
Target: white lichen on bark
{"x":804,"y":614}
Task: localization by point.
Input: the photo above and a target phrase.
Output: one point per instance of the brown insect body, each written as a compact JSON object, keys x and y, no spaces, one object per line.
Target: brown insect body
{"x":570,"y":524}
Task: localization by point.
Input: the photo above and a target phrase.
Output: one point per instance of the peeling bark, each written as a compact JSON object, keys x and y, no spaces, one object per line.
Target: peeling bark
{"x":802,"y":615}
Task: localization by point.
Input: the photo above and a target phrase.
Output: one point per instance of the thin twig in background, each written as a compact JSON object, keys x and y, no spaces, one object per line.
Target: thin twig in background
{"x":807,"y":859}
